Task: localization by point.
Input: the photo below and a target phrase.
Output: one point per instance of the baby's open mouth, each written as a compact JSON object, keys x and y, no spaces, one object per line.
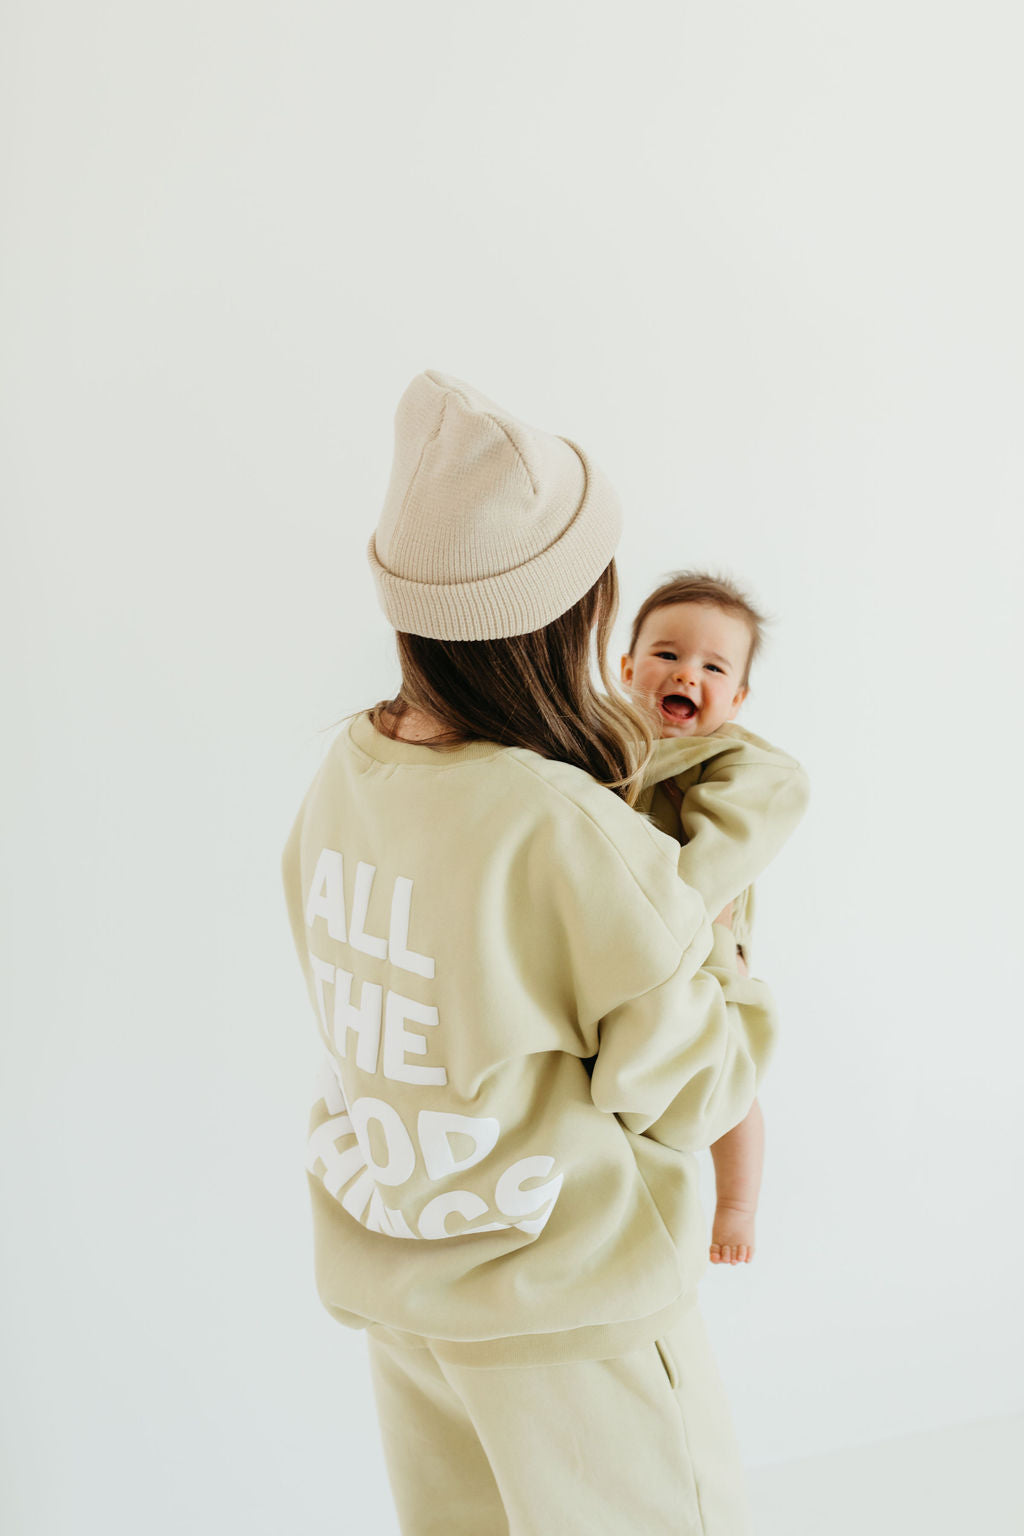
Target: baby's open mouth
{"x":678,"y":707}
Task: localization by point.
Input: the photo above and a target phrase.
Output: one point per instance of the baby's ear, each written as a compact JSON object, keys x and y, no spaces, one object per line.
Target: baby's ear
{"x":626,"y":669}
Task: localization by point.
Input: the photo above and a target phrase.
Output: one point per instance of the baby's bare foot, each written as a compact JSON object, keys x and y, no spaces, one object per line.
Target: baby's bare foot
{"x":732,"y":1236}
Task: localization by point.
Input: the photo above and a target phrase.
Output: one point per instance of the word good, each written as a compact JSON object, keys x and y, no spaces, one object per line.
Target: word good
{"x":365,"y":1151}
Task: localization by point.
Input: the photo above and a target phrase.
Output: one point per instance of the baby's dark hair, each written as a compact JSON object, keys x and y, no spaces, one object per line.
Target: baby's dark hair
{"x":718,"y":592}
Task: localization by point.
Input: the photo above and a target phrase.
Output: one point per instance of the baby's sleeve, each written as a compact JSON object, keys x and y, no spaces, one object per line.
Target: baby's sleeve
{"x":735,"y":818}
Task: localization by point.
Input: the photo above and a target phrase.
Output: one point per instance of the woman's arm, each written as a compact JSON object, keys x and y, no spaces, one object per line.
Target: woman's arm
{"x":682,"y":1063}
{"x":678,"y":1037}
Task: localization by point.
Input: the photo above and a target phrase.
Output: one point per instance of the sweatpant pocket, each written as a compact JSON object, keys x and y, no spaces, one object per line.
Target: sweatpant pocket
{"x":667,"y":1360}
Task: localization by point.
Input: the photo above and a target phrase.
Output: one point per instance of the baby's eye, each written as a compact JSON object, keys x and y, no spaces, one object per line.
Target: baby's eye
{"x":666,"y":655}
{"x":712,"y":667}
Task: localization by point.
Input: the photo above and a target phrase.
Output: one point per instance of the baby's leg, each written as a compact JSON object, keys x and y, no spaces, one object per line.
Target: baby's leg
{"x":738,"y":1157}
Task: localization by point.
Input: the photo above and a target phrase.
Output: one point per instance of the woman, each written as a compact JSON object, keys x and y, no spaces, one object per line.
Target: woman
{"x":530,"y":1025}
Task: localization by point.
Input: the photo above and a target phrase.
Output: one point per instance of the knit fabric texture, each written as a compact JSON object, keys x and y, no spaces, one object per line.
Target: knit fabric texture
{"x":490,"y":527}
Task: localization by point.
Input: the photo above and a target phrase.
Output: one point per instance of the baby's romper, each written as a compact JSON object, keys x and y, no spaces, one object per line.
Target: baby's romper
{"x":732,"y":800}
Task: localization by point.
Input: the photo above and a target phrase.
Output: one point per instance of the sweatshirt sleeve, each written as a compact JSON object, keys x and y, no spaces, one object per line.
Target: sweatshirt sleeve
{"x":291,"y":876}
{"x":677,"y":1038}
{"x":681,"y":1063}
{"x":736,"y":817}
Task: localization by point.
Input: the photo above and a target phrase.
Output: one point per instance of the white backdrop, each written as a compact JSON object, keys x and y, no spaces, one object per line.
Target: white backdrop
{"x":764,"y":263}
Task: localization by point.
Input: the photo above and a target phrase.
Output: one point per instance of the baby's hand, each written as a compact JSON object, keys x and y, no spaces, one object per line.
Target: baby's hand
{"x":725,"y":918}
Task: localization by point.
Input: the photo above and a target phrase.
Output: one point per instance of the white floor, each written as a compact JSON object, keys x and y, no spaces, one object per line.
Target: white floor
{"x":950,"y":1482}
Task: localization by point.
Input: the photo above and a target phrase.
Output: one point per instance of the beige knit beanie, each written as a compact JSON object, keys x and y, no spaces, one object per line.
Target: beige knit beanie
{"x":490,"y":528}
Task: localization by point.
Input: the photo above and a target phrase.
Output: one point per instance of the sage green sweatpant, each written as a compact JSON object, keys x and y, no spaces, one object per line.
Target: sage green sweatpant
{"x":639,"y":1445}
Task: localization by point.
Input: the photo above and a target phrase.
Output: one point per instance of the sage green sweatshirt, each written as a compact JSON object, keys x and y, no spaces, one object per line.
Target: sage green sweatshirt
{"x":741,"y":800}
{"x":530,"y":1027}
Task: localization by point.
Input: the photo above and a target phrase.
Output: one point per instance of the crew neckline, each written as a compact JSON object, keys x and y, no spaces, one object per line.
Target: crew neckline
{"x":384,"y":749}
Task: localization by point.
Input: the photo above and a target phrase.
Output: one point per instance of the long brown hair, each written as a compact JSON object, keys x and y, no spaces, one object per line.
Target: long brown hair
{"x":534,"y":690}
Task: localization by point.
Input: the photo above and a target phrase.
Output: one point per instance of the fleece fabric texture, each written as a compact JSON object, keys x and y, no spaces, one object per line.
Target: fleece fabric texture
{"x":530,"y":1027}
{"x":637,"y":1443}
{"x":741,"y":798}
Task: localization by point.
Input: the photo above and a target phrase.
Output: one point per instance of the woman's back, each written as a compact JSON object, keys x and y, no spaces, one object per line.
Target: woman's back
{"x":476,"y":926}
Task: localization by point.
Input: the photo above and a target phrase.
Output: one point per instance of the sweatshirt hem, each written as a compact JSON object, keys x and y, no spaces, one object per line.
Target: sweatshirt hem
{"x":600,"y":1341}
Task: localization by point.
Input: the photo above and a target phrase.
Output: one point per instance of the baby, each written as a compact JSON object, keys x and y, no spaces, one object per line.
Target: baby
{"x":729,"y":797}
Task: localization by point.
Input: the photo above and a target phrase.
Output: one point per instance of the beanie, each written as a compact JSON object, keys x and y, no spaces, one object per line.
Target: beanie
{"x":490,"y":528}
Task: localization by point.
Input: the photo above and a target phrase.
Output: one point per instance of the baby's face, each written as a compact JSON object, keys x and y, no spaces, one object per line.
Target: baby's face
{"x":687,"y":667}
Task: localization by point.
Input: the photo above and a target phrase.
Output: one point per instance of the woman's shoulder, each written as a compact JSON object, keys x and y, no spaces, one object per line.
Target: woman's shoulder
{"x":588,"y":809}
{"x":602,"y":849}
